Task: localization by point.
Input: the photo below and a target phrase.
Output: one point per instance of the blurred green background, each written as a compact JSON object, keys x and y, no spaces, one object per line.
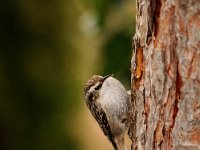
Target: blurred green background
{"x":48,"y":50}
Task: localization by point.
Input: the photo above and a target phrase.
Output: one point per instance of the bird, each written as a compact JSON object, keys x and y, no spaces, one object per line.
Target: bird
{"x":109,"y":103}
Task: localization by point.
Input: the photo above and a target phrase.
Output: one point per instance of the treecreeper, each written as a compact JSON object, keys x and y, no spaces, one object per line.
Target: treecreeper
{"x":109,"y":103}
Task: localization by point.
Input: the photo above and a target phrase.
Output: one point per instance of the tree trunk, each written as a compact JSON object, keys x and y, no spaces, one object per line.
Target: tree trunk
{"x":166,"y":75}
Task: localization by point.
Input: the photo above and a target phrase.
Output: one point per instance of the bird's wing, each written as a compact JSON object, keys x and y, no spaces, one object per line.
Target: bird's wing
{"x":101,"y":117}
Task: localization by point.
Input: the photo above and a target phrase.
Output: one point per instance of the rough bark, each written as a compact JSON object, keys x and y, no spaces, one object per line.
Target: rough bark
{"x":166,"y":75}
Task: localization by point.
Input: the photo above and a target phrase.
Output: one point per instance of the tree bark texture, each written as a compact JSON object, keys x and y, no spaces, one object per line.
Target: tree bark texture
{"x":166,"y":76}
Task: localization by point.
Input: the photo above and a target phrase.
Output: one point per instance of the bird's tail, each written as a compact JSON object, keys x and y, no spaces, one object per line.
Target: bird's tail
{"x":120,"y":143}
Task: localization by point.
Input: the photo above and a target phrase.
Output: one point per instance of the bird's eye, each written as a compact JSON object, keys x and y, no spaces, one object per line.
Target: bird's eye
{"x":98,"y":87}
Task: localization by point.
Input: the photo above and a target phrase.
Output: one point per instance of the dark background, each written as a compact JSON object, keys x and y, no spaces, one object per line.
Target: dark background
{"x":48,"y":50}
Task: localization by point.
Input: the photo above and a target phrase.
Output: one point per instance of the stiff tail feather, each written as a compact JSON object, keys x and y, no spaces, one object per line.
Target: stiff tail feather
{"x":120,"y":143}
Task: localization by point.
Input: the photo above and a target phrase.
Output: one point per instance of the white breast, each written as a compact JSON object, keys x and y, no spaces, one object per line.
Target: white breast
{"x":114,"y":99}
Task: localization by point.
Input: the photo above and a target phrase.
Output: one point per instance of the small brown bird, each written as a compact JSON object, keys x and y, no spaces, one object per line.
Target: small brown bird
{"x":109,"y":103}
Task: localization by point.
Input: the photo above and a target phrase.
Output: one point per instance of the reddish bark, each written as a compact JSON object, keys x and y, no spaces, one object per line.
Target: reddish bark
{"x":166,"y":75}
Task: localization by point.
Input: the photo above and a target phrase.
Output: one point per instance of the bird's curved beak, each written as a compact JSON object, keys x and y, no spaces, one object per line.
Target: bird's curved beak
{"x":105,"y":77}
